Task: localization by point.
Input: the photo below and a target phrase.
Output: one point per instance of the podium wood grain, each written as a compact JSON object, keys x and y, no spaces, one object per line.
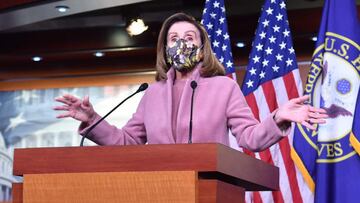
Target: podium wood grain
{"x":126,"y":187}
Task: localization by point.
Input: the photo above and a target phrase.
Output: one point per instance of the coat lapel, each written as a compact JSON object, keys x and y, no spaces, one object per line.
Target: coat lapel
{"x":182,"y":131}
{"x":169,"y":86}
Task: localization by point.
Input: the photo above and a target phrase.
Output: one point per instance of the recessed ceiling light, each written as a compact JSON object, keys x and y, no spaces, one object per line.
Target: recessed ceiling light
{"x":36,"y":58}
{"x":99,"y":54}
{"x":136,"y":27}
{"x":62,"y":8}
{"x":314,"y":39}
{"x":240,"y":44}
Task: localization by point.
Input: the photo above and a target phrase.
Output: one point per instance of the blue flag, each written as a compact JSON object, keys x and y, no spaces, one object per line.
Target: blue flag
{"x":325,"y":156}
{"x":214,"y":21}
{"x":355,"y":134}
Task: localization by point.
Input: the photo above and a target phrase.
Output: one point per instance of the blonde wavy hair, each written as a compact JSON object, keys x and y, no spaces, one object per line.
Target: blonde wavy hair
{"x":211,"y":65}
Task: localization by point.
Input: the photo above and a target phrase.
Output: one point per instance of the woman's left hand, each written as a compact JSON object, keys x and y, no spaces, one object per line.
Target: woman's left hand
{"x":296,"y":111}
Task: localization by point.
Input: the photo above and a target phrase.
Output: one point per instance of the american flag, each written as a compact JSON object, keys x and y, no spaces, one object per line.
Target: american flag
{"x":214,"y":21}
{"x":271,"y":79}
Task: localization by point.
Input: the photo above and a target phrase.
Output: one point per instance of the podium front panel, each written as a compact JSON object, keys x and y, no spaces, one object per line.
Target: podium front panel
{"x":127,"y":187}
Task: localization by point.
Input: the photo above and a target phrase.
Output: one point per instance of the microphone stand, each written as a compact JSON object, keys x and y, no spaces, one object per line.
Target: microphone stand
{"x":142,"y":87}
{"x":193,"y":85}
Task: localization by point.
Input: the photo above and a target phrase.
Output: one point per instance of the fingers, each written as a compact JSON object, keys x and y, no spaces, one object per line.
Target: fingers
{"x":318,"y":115}
{"x":86,"y":101}
{"x":64,"y":115}
{"x":317,"y":121}
{"x":301,"y":99}
{"x":61,"y":108}
{"x":315,"y":115}
{"x":71,"y":98}
{"x":308,"y":125}
{"x":63,"y":100}
{"x":317,"y":110}
{"x":67,"y":99}
{"x":316,"y":118}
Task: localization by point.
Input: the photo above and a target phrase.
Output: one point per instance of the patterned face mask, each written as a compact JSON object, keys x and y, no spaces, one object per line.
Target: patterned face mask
{"x":183,"y":55}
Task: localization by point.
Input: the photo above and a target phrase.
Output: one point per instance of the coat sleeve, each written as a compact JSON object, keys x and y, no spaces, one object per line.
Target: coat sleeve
{"x":131,"y":134}
{"x":249,"y":132}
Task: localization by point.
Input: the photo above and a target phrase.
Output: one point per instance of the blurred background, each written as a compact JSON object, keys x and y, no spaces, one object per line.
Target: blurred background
{"x":49,"y":40}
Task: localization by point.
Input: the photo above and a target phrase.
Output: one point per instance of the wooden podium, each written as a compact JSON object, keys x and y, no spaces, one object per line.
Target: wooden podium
{"x":149,"y":173}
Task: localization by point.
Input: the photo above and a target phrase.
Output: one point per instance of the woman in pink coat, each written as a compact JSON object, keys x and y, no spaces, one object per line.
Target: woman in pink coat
{"x":184,"y":55}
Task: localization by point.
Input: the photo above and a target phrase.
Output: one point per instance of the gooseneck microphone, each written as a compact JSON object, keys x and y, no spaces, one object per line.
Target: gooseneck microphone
{"x":193,"y":85}
{"x":142,"y":87}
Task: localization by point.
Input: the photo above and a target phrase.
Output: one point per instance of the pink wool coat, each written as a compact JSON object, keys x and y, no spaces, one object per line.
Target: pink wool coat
{"x":219,"y":105}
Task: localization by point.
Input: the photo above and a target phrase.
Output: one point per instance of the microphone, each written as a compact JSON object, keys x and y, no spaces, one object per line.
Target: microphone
{"x":142,"y":87}
{"x":193,"y":85}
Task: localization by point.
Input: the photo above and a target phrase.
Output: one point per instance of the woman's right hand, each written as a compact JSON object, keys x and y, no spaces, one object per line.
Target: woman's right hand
{"x":81,"y":110}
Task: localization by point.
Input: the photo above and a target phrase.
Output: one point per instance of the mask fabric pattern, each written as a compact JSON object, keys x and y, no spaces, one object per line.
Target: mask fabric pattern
{"x":183,"y":55}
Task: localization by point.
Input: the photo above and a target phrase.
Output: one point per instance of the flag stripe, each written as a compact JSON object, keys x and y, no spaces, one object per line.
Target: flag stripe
{"x":283,"y":179}
{"x":291,"y":89}
{"x":290,"y":170}
{"x":281,"y":93}
{"x":284,"y":145}
{"x":250,"y":99}
{"x":232,"y":75}
{"x":290,"y":85}
{"x":293,"y":86}
{"x":269,"y":93}
{"x":265,"y":155}
{"x":256,"y":195}
{"x":261,"y":103}
{"x":297,"y":78}
{"x":263,"y":112}
{"x":266,"y":196}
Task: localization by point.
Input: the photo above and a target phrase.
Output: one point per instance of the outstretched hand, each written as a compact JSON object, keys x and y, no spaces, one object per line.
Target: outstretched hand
{"x":76,"y":108}
{"x":296,"y":111}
